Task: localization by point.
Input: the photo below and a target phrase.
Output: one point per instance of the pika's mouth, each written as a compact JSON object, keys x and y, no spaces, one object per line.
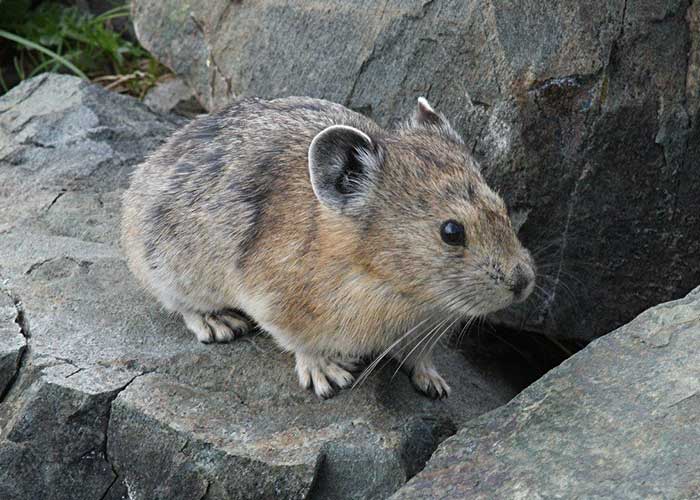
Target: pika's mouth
{"x":521,"y":295}
{"x":500,"y":298}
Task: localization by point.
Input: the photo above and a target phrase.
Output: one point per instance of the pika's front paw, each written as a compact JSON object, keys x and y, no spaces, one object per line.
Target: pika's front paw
{"x":323,"y":374}
{"x":428,"y":381}
{"x":222,"y":326}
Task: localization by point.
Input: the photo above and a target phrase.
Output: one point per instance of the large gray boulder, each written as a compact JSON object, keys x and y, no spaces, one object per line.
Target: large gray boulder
{"x":584,"y":114}
{"x":618,"y":420}
{"x":106,"y":396}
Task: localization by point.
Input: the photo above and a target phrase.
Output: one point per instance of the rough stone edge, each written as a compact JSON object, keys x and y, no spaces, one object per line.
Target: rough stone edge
{"x":21,"y":353}
{"x":24,"y":355}
{"x":498,"y":417}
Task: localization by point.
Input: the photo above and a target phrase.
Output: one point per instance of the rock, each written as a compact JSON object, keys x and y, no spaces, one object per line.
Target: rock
{"x":66,"y":148}
{"x":617,"y":420}
{"x":173,"y":96}
{"x":55,"y":443}
{"x":114,"y":397}
{"x":65,"y":156}
{"x":12,"y":343}
{"x":584,"y":114}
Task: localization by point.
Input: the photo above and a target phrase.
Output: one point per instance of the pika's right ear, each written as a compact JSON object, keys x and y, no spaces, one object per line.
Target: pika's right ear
{"x":426,"y":117}
{"x":343,"y":163}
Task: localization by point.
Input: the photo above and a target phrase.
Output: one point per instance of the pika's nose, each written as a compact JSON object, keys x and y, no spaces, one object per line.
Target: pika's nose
{"x":522,"y":282}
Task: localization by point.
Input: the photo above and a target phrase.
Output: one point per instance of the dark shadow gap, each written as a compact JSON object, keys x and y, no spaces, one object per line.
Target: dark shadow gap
{"x":519,"y":356}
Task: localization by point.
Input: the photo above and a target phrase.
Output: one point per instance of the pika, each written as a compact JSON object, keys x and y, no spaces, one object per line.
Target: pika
{"x":338,"y":237}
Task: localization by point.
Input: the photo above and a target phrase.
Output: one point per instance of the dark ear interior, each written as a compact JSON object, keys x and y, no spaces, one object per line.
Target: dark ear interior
{"x":353,"y":170}
{"x":342,"y":163}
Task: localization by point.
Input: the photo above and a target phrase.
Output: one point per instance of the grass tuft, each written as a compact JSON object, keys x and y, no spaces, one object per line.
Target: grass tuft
{"x":59,"y":38}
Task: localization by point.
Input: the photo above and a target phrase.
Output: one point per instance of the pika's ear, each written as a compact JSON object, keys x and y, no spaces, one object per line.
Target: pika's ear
{"x":425,"y":116}
{"x":343,"y":163}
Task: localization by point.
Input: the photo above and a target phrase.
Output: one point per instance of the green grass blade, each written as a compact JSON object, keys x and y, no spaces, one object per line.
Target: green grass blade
{"x":41,"y":67}
{"x":121,"y":11}
{"x":4,"y":86}
{"x":34,"y":46}
{"x":18,"y":68}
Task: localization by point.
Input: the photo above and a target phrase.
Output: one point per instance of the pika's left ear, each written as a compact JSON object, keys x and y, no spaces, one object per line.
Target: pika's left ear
{"x":344,"y":164}
{"x":425,"y":116}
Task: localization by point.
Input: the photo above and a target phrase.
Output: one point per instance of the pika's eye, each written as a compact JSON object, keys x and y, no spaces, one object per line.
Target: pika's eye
{"x":452,"y":233}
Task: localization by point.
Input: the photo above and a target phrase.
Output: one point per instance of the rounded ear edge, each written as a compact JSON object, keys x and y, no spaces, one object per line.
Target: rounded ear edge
{"x":335,"y":128}
{"x":326,"y":167}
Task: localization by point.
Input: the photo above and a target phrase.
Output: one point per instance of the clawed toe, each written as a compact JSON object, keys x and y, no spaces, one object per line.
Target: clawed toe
{"x":222,"y":326}
{"x":349,"y":364}
{"x":429,"y":382}
{"x":226,"y":327}
{"x":323,"y":374}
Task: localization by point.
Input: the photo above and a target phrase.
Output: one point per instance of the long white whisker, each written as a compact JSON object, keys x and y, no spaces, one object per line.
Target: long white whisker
{"x":366,"y":372}
{"x":437,"y":338}
{"x":425,"y":337}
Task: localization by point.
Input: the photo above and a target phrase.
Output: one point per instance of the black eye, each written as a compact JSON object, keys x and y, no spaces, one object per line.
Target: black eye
{"x":452,"y":233}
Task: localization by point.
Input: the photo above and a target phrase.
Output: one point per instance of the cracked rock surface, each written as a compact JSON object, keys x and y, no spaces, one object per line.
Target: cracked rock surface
{"x":583,"y":114}
{"x":108,"y":397}
{"x":617,"y":420}
{"x":13,"y":342}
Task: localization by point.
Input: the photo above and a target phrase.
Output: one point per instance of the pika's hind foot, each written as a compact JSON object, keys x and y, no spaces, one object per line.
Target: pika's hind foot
{"x":323,"y":374}
{"x":221,"y":326}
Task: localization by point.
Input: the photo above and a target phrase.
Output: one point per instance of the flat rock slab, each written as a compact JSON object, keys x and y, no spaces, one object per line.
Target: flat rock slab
{"x":114,"y":398}
{"x":618,"y":420}
{"x":584,"y":115}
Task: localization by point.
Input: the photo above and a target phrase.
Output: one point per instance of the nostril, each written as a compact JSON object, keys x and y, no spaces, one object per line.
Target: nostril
{"x":521,"y":280}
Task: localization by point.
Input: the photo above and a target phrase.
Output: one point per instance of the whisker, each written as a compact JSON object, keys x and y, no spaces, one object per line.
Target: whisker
{"x":367,"y":371}
{"x":429,"y":347}
{"x":403,"y":360}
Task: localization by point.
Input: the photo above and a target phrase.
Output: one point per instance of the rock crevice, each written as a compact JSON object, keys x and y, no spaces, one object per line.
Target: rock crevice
{"x":15,"y":343}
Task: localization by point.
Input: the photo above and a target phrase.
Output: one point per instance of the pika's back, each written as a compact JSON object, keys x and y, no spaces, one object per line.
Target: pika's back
{"x":250,"y":136}
{"x":210,"y":187}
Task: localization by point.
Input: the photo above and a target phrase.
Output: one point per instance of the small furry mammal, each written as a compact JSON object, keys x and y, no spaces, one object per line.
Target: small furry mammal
{"x":339,"y":238}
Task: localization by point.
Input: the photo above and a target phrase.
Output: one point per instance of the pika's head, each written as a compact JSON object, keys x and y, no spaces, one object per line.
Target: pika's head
{"x":414,"y":210}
